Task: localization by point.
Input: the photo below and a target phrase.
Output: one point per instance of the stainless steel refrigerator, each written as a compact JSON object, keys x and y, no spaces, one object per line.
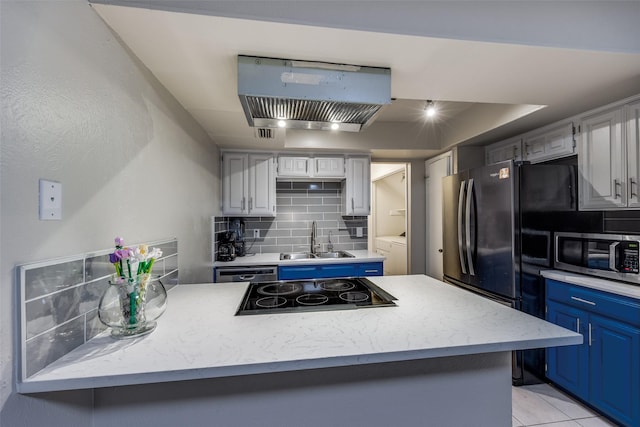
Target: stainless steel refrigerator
{"x":498,"y":225}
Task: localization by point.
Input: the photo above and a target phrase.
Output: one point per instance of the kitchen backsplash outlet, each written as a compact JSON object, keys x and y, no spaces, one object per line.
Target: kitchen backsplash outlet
{"x":298,"y":205}
{"x":59,"y":299}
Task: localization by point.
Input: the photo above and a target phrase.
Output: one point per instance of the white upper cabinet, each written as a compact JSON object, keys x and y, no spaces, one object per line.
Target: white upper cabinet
{"x":294,"y":167}
{"x":291,"y":166}
{"x":329,"y":167}
{"x":356,"y":188}
{"x":510,"y":149}
{"x":602,"y":161}
{"x":633,"y":154}
{"x":248,"y":184}
{"x":549,"y":143}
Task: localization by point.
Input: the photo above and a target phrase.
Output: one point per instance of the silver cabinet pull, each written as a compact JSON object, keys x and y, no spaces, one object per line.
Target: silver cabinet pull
{"x":352,"y":205}
{"x":583,"y":300}
{"x":250,"y":204}
{"x":460,"y":243}
{"x":590,"y":334}
{"x":577,"y":324}
{"x":247,"y":277}
{"x":632,"y":182}
{"x":616,"y":184}
{"x":243,"y":199}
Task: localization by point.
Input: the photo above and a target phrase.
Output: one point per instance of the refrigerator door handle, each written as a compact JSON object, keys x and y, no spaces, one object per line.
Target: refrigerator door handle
{"x":468,"y":226}
{"x":460,"y":242}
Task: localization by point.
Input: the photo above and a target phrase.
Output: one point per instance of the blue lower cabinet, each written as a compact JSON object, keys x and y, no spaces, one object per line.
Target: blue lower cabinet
{"x":568,"y":366}
{"x":324,"y":271}
{"x":605,"y":370}
{"x":615,"y":369}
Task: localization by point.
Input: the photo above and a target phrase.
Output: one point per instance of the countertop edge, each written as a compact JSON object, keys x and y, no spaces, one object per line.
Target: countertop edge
{"x":605,"y":285}
{"x":35,"y":386}
{"x":360,"y":255}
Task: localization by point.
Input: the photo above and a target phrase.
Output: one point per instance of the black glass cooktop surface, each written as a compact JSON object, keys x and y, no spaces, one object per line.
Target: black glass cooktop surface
{"x":312,"y":295}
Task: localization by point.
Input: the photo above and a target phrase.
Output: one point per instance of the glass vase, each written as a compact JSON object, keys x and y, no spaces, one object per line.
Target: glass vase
{"x":130,"y":306}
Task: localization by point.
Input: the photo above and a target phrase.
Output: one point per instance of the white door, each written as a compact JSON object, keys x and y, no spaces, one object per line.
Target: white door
{"x":602,"y":173}
{"x":261,"y":185}
{"x":234,"y":184}
{"x":435,"y":170}
{"x":633,"y":154}
{"x":358,"y":187}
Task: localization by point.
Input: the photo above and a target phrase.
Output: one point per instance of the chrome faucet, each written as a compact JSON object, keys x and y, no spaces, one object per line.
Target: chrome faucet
{"x":314,"y":245}
{"x":330,"y":244}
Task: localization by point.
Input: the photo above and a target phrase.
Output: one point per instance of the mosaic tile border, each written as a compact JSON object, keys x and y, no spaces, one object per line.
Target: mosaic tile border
{"x":58,"y":302}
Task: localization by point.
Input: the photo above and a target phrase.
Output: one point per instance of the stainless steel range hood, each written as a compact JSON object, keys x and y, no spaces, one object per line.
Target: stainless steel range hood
{"x":311,"y":95}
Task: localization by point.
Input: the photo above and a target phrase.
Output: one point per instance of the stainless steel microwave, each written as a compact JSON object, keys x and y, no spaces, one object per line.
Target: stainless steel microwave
{"x":613,"y":256}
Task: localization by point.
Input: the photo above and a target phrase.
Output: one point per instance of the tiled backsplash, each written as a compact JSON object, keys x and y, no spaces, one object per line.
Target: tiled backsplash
{"x":59,"y":302}
{"x":298,"y":205}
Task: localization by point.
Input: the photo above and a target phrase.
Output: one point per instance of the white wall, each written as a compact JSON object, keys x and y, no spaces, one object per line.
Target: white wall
{"x":78,"y":108}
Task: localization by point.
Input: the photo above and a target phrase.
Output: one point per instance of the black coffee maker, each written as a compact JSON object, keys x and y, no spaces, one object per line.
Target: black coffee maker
{"x":237,"y":227}
{"x":227,"y":247}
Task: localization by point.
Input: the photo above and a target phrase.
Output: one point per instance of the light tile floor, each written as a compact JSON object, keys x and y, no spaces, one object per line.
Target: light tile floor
{"x":543,"y":405}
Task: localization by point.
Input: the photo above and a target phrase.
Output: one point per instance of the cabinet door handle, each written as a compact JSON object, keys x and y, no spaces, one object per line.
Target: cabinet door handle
{"x":616,"y":184}
{"x":243,"y":203}
{"x":583,"y":300}
{"x":352,"y":205}
{"x":371,"y":271}
{"x":589,"y":334}
{"x":577,"y":324}
{"x":250,"y":203}
{"x":632,"y":182}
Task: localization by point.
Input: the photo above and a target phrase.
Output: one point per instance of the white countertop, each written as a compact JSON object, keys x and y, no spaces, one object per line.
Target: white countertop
{"x":614,"y":287}
{"x":274,"y":259}
{"x":199,"y":336}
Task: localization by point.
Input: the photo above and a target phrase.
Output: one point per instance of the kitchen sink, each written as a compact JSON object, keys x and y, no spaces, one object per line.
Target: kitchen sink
{"x":309,"y":255}
{"x":336,"y":254}
{"x":296,"y":255}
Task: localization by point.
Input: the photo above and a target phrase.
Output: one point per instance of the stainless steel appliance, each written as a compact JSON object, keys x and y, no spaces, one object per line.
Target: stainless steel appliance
{"x":287,"y":296}
{"x":498,"y":223}
{"x":613,"y":256}
{"x":246,"y":274}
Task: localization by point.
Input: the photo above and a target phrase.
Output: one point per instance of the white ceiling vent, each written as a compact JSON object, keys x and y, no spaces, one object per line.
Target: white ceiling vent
{"x":265,"y":133}
{"x":311,"y":95}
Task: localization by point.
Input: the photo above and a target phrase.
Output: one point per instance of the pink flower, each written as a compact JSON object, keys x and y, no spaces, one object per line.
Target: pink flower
{"x":119,"y":241}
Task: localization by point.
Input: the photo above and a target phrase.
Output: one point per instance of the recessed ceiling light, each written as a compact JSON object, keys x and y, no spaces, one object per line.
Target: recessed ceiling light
{"x":335,"y":126}
{"x":282,"y":123}
{"x":430,"y":109}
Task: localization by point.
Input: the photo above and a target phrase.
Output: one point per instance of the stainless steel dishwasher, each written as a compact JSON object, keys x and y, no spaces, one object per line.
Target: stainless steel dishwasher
{"x":261,"y":273}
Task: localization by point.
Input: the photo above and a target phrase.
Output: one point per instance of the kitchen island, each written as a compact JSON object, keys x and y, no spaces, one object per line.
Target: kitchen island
{"x":441,"y":357}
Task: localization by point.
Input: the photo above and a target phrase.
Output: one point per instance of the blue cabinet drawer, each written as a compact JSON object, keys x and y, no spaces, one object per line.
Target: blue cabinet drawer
{"x":370,"y":269}
{"x":604,"y":303}
{"x":325,"y":271}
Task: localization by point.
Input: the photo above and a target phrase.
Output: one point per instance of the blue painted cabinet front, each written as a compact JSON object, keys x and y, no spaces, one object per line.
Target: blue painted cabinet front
{"x":605,"y":370}
{"x":568,"y":366}
{"x":324,"y":271}
{"x":615,"y":367}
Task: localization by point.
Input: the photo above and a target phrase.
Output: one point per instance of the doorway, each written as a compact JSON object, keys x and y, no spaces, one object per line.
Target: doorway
{"x":435,"y":169}
{"x":390,"y":210}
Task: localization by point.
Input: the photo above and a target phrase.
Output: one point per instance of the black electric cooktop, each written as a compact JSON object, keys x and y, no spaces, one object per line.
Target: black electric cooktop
{"x":312,"y":295}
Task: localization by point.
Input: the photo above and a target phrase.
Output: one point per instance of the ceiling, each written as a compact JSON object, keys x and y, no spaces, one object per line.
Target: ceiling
{"x":486,"y":88}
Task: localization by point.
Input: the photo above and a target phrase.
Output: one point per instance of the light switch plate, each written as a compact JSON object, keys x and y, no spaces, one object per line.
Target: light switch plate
{"x":50,"y":200}
{"x":256,"y":233}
